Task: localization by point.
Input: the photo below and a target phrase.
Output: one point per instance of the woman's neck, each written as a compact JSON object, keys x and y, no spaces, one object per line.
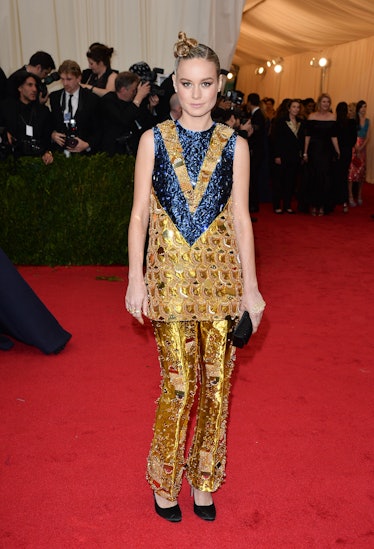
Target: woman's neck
{"x":102,"y":71}
{"x":323,"y":115}
{"x":196,"y":123}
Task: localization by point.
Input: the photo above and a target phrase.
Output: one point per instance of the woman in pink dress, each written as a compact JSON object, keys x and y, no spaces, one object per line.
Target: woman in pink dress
{"x":357,"y":169}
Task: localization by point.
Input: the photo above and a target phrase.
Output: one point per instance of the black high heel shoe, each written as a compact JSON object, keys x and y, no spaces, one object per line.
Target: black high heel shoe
{"x":172,"y":514}
{"x":205,"y":512}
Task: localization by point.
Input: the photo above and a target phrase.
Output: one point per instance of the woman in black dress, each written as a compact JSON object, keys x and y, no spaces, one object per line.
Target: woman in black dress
{"x":320,"y":149}
{"x":99,"y":77}
{"x":288,"y":143}
{"x":23,"y":316}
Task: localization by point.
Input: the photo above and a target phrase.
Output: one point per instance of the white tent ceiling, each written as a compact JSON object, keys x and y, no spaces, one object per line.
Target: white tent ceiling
{"x":278,"y":28}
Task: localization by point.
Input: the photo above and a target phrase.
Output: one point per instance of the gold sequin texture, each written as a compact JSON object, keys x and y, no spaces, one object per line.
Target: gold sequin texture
{"x":208,"y":273}
{"x":182,"y":368}
{"x":194,"y":283}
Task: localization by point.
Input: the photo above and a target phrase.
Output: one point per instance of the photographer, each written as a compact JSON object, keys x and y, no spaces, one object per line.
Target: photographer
{"x":125,"y":115}
{"x":26,"y":122}
{"x":152,"y":102}
{"x":76,"y":123}
{"x":235,"y":119}
{"x":41,"y":64}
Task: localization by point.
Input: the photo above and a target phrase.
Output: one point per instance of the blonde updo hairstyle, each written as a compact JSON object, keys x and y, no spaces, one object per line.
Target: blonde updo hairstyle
{"x":189,"y":48}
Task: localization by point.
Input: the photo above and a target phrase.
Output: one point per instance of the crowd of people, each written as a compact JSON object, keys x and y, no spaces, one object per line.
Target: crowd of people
{"x":304,"y":157}
{"x":98,"y":109}
{"x":302,"y":153}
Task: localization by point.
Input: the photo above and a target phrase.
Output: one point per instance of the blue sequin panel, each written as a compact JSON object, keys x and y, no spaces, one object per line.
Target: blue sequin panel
{"x":168,"y":191}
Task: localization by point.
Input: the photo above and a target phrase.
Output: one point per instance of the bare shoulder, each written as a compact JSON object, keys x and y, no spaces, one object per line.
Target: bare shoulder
{"x":241,"y":171}
{"x":146,"y":148}
{"x":241,"y":155}
{"x":241,"y":145}
{"x":147,"y":139}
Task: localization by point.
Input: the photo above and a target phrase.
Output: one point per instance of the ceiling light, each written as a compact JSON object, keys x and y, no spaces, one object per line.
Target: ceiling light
{"x":322,"y":62}
{"x":276,"y":64}
{"x":260,"y":70}
{"x":230,"y":76}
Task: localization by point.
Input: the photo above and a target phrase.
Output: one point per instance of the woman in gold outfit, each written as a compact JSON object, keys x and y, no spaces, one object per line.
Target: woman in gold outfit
{"x":191,"y":195}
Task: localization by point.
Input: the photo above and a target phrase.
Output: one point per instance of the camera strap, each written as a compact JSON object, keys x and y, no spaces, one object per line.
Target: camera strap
{"x":29,"y":129}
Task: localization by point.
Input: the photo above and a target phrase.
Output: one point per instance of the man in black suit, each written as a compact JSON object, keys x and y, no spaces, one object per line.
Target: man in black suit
{"x":125,"y":114}
{"x":257,"y":148}
{"x":41,"y":64}
{"x":75,"y":113}
{"x":27,"y":123}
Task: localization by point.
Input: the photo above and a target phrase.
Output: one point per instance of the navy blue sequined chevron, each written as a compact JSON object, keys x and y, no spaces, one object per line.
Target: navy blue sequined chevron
{"x":168,"y":190}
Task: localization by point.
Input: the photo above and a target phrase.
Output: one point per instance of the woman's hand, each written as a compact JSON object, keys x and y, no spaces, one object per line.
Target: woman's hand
{"x":255,"y":305}
{"x":136,"y":300}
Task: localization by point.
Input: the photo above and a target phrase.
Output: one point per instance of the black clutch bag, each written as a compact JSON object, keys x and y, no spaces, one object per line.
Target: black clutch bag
{"x":243,"y":331}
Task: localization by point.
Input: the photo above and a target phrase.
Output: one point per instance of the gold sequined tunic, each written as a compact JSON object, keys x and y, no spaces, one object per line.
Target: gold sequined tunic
{"x":193,"y":268}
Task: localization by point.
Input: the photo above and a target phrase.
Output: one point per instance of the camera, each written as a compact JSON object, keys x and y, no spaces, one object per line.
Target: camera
{"x":53,"y":77}
{"x":30,"y":147}
{"x":124,"y":141}
{"x":235,"y":96}
{"x":125,"y":137}
{"x":143,"y":70}
{"x":71,"y":140}
{"x":151,"y":77}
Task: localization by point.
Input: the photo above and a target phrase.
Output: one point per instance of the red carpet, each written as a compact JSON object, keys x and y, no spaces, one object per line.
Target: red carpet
{"x":76,"y":428}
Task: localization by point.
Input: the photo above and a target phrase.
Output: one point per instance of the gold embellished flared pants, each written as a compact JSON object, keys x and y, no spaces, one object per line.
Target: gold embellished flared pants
{"x":192,"y":355}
